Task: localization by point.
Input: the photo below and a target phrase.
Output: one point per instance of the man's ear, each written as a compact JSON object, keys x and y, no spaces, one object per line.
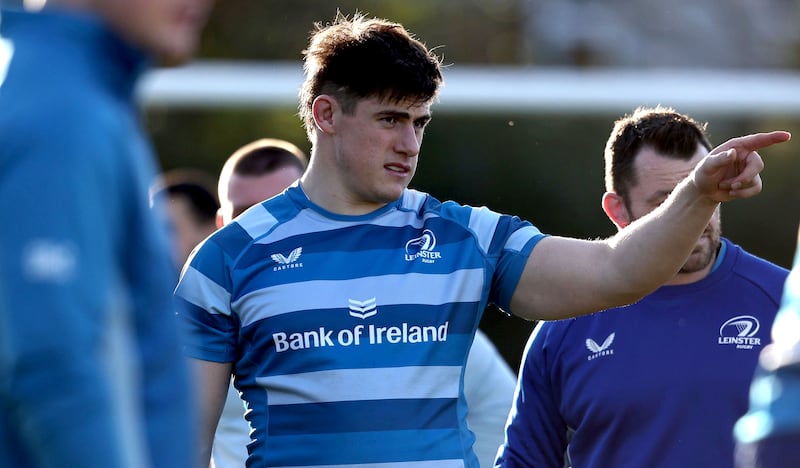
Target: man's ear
{"x":219,"y":218}
{"x":323,"y":109}
{"x":617,"y":212}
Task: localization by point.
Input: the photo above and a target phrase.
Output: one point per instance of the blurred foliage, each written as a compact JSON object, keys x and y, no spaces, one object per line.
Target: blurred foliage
{"x":545,"y":168}
{"x":481,"y":31}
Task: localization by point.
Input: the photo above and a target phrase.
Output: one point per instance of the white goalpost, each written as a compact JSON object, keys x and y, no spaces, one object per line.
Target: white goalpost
{"x":484,"y":89}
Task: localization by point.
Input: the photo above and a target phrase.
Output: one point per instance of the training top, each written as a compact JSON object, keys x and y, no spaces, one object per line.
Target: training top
{"x":659,"y":383}
{"x":91,"y":368}
{"x":769,"y":434}
{"x":348,"y":334}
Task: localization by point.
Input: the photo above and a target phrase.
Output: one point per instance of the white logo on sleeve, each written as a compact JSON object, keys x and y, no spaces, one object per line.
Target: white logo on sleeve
{"x":600,"y":350}
{"x":49,"y":261}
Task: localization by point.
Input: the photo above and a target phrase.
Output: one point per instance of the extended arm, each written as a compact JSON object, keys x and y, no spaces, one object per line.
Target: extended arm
{"x":568,"y":277}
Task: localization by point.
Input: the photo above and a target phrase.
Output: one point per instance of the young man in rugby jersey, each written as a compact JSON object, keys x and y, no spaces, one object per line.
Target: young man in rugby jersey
{"x":346,"y":306}
{"x":660,"y":382}
{"x":262,"y":169}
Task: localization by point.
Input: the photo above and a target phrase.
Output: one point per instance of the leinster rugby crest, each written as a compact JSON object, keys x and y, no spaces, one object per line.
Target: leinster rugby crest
{"x":423,"y":248}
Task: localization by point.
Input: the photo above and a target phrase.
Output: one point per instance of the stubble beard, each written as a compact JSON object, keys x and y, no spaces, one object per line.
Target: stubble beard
{"x":705,"y":253}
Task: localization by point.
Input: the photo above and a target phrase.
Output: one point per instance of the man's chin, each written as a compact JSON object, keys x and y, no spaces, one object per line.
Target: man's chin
{"x":697,"y":261}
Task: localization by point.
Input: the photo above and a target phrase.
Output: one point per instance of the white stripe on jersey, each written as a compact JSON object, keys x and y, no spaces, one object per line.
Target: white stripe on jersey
{"x":200,"y":290}
{"x":520,"y":237}
{"x":416,"y":289}
{"x":258,"y":222}
{"x":417,"y":382}
{"x":483,"y":223}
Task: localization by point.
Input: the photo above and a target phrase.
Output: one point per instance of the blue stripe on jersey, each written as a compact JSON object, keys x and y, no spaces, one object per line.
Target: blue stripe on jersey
{"x":210,"y":345}
{"x":509,"y":267}
{"x":448,"y":353}
{"x":415,"y":464}
{"x":219,"y":249}
{"x":363,"y":384}
{"x":369,"y":448}
{"x":337,"y":266}
{"x":395,"y":415}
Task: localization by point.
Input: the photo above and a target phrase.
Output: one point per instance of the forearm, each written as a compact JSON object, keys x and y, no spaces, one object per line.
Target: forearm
{"x":212,"y":379}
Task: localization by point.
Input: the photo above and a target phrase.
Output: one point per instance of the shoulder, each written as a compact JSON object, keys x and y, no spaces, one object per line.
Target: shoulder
{"x":550,"y":333}
{"x":425,"y":204}
{"x":482,"y":222}
{"x":69,"y":126}
{"x":758,"y":271}
{"x":257,"y":225}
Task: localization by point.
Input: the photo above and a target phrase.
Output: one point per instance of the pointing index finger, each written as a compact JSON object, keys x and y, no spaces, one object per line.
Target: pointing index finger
{"x":755,"y":141}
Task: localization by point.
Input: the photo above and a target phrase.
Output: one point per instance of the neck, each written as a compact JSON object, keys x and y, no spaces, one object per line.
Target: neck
{"x":325,"y":194}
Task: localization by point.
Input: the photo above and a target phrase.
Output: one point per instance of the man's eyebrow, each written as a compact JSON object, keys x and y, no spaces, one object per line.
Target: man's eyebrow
{"x":402,"y":115}
{"x":393,"y":113}
{"x":659,"y":195}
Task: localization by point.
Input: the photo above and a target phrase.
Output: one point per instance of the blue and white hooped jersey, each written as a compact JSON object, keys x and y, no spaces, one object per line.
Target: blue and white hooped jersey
{"x":349,"y":334}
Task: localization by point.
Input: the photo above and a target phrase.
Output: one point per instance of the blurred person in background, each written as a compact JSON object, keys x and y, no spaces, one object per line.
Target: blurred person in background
{"x":190,"y":204}
{"x":660,"y":382}
{"x":489,"y":392}
{"x":264,"y":168}
{"x":91,"y":373}
{"x":349,"y":343}
{"x":253,"y":173}
{"x":768,"y":436}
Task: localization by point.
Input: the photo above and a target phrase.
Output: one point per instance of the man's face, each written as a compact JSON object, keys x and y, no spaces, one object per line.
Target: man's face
{"x":185,"y":229}
{"x":375,"y":151}
{"x":658,"y":176}
{"x":244,"y":191}
{"x":168,"y":29}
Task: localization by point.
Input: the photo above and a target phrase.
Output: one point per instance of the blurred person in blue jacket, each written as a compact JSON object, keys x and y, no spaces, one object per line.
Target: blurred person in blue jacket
{"x":768,"y":436}
{"x":91,"y":372}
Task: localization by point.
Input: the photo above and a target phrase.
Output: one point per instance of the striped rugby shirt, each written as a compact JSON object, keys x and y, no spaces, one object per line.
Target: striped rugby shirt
{"x":349,"y":334}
